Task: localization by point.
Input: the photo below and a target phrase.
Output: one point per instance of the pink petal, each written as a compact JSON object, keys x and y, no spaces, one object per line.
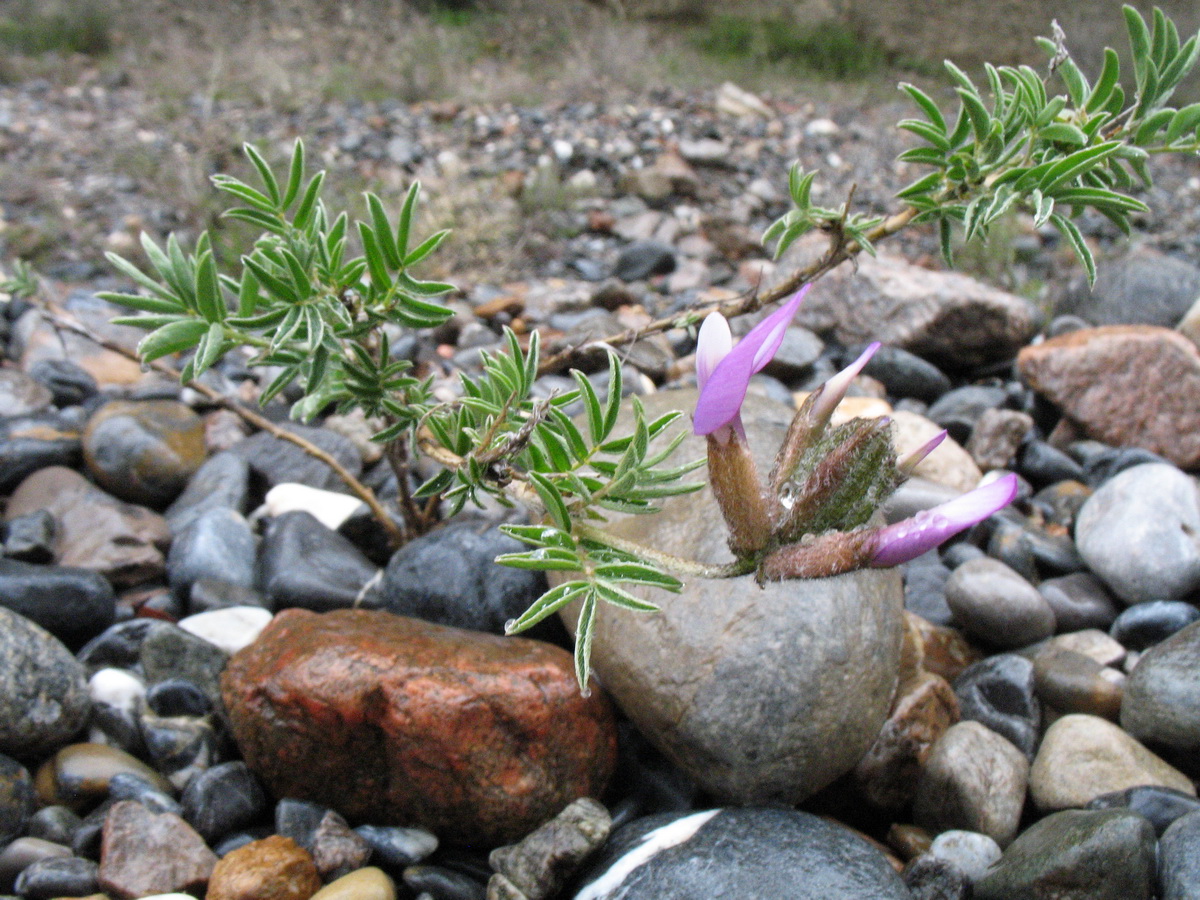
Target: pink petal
{"x":910,"y":538}
{"x":836,"y":387}
{"x":724,"y":388}
{"x":712,"y":345}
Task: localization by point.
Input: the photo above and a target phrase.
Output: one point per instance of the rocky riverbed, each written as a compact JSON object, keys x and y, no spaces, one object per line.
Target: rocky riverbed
{"x":214,"y":681}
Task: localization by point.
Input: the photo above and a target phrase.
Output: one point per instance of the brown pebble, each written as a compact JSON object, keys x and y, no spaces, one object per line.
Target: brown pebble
{"x":275,"y":868}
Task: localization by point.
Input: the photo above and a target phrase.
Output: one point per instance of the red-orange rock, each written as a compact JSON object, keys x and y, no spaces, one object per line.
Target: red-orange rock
{"x":1126,"y":385}
{"x":275,"y":868}
{"x":390,"y":719}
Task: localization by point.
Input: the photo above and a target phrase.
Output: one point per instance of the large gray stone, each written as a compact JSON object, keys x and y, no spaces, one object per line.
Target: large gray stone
{"x":760,"y":694}
{"x":1138,"y":532}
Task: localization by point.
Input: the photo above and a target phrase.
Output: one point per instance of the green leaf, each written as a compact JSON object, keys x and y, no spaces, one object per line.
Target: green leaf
{"x":556,"y":509}
{"x":209,"y":302}
{"x":299,"y":277}
{"x":921,"y":186}
{"x":1064,"y":133}
{"x":1109,"y":74}
{"x":927,"y":132}
{"x":638,"y":573}
{"x":1077,"y":86}
{"x":1139,"y":43}
{"x":925,"y":156}
{"x":945,"y":235}
{"x":1184,"y":122}
{"x":295,"y":175}
{"x":259,"y":219}
{"x":1154,"y":123}
{"x":247,"y":295}
{"x":426,"y":247}
{"x":610,"y":593}
{"x":142,"y":303}
{"x":173,"y":338}
{"x":264,"y":172}
{"x":213,"y":346}
{"x":308,"y":203}
{"x":383,"y":231}
{"x":591,"y":405}
{"x":269,"y":280}
{"x":548,"y":604}
{"x":612,"y":402}
{"x":418,"y":314}
{"x":981,"y":120}
{"x":256,"y":199}
{"x":540,"y":535}
{"x":404,"y":225}
{"x":584,"y":631}
{"x":543,"y":559}
{"x":927,"y":105}
{"x":1075,"y":164}
{"x":381,"y":280}
{"x":1069,"y":231}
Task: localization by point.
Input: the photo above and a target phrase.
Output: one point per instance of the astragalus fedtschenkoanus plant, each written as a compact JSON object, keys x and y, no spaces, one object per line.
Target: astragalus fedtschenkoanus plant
{"x":316,"y":295}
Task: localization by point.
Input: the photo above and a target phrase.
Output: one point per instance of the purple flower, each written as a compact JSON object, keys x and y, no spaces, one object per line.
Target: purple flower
{"x":910,"y":538}
{"x":724,"y":373}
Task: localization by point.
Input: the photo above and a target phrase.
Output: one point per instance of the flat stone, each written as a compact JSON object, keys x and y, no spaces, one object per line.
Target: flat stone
{"x":54,"y":876}
{"x":949,"y":464}
{"x":217,"y":544}
{"x":999,"y":692}
{"x":1084,"y":756}
{"x":122,"y":542}
{"x":16,"y":799}
{"x":1070,"y":682}
{"x":1077,"y":855}
{"x":1162,"y":696}
{"x":1142,"y":286}
{"x":747,"y":852}
{"x":222,"y":482}
{"x":1125,"y":385}
{"x":29,"y":443}
{"x":223,"y":799}
{"x":43,"y":690}
{"x":1079,"y":601}
{"x":1144,"y":625}
{"x":79,"y":775}
{"x":144,"y":451}
{"x":347,"y":708}
{"x":1160,"y":806}
{"x":277,"y":461}
{"x":747,"y":689}
{"x":229,"y":629}
{"x":274,"y":868}
{"x":974,"y":780}
{"x":146,"y":853}
{"x":945,"y":317}
{"x":301,"y":563}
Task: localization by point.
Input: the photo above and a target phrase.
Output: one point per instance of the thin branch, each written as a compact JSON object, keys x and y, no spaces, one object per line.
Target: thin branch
{"x":61,"y":319}
{"x":839,"y":251}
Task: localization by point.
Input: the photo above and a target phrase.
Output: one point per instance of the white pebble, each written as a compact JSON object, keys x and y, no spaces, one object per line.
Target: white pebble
{"x":231,"y":628}
{"x":117,"y":688}
{"x":329,"y":508}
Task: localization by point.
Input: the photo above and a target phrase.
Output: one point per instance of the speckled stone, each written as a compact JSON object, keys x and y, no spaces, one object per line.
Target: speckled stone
{"x":1162,"y":703}
{"x":142,"y":853}
{"x":43,"y":690}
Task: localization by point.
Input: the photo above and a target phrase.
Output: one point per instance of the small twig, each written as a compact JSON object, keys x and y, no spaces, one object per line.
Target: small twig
{"x":62,"y":320}
{"x":839,"y":251}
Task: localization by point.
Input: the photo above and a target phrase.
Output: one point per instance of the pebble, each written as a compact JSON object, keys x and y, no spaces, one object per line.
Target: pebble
{"x":54,"y":876}
{"x":1079,"y":601}
{"x":170,"y":652}
{"x":1179,"y":859}
{"x":396,"y":847}
{"x":73,"y":604}
{"x":143,"y":852}
{"x":1156,"y":509}
{"x":797,"y":353}
{"x":128,"y":786}
{"x":301,"y":563}
{"x":425,"y":688}
{"x":30,"y":443}
{"x":1044,"y":465}
{"x":21,"y":395}
{"x":30,"y":538}
{"x":643,"y":259}
{"x":925,"y":589}
{"x":336,"y":849}
{"x":55,"y":824}
{"x":997,"y":437}
{"x":223,"y":799}
{"x":277,"y":461}
{"x":925,"y":707}
{"x":930,"y":878}
{"x":177,"y":697}
{"x":996,"y":606}
{"x":472,"y":591}
{"x":222,"y":482}
{"x":368,"y":883}
{"x":974,"y":780}
{"x":1159,"y":805}
{"x":1094,"y":854}
{"x":540,"y":865}
{"x":1069,"y":682}
{"x":949,"y":464}
{"x":78,"y":775}
{"x":229,"y":629}
{"x":274,"y":868}
{"x":144,"y":452}
{"x":1162,"y":697}
{"x":441,"y":883}
{"x":43,"y":690}
{"x":1143,"y":625}
{"x":330,"y":508}
{"x":69,"y":384}
{"x":960,"y":409}
{"x":179,"y":747}
{"x":739,"y":852}
{"x":1082,"y":757}
{"x":1092,"y":643}
{"x":905,"y":374}
{"x":217,"y":544}
{"x":16,"y":799}
{"x":24,"y":852}
{"x":1141,"y":286}
{"x":970,"y":851}
{"x":117,"y":696}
